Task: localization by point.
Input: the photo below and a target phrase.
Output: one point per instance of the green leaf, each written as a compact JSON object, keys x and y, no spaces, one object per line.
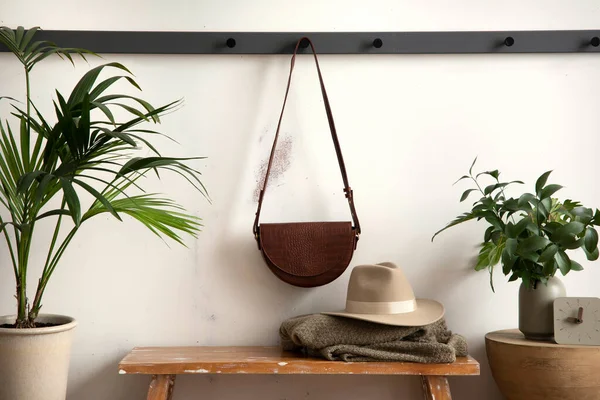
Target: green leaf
{"x":99,"y":197}
{"x":511,"y":205}
{"x":3,"y":225}
{"x":567,"y":232}
{"x":575,"y":266}
{"x":513,"y":277}
{"x":548,"y":253}
{"x":547,"y":203}
{"x":524,"y":202}
{"x":159,"y":215}
{"x":541,"y":212}
{"x":19,"y":35}
{"x":591,"y":255}
{"x":42,"y":189}
{"x":569,"y":205}
{"x":102,"y":86}
{"x":86,"y":82}
{"x":483,"y":259}
{"x":105,"y":110}
{"x":466,"y":194}
{"x":586,"y":214}
{"x":541,"y":181}
{"x":549,"y":268}
{"x":511,"y":246}
{"x":496,"y":222}
{"x":27,"y":38}
{"x":515,"y":230}
{"x":458,"y":220}
{"x":525,"y":198}
{"x":490,"y":189}
{"x":508,"y":261}
{"x":488,"y":234}
{"x":460,"y":179}
{"x":52,"y":213}
{"x":472,"y":165}
{"x":496,"y":253}
{"x":488,"y":202}
{"x":596,"y":220}
{"x":494,"y":174}
{"x":72,"y":200}
{"x":549,"y":191}
{"x":26,"y":180}
{"x":552,"y":227}
{"x":591,"y":239}
{"x":563,"y":262}
{"x":25,"y":138}
{"x":532,"y":244}
{"x":571,"y":243}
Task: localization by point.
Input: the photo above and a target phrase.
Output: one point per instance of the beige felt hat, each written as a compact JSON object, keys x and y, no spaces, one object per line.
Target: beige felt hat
{"x":381,"y":293}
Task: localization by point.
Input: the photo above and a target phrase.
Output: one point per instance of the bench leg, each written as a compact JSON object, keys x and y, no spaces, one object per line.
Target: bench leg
{"x":161,"y":387}
{"x":436,"y":388}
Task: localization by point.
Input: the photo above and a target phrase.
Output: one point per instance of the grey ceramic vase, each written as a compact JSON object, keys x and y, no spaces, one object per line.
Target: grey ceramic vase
{"x":536,"y":308}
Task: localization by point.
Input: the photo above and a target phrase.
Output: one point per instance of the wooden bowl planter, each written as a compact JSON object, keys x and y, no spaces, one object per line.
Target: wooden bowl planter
{"x":535,"y":370}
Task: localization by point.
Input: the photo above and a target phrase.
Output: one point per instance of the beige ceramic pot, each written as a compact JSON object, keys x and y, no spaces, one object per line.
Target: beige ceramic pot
{"x":34,"y":363}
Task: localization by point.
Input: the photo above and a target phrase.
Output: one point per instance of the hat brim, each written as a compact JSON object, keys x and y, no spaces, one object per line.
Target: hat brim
{"x":426,"y":312}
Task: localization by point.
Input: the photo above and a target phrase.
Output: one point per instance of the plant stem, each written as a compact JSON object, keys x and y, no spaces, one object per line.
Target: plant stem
{"x":43,"y":281}
{"x":25,"y":150}
{"x":10,"y":250}
{"x":478,"y":187}
{"x":36,"y":306}
{"x":24,"y":239}
{"x":22,"y":284}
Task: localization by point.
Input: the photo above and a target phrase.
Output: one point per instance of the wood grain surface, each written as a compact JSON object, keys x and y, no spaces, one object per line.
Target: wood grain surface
{"x":270,"y":360}
{"x":436,"y":388}
{"x":536,"y":370}
{"x":161,"y":387}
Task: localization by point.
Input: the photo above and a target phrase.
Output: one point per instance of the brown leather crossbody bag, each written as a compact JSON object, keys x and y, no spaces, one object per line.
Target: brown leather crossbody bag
{"x":308,"y":254}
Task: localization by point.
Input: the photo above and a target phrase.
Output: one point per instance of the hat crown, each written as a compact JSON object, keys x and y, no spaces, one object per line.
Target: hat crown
{"x":381,"y":293}
{"x":383,"y":282}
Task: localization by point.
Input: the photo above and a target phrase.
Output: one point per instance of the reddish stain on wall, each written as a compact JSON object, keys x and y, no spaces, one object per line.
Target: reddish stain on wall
{"x":281,"y":162}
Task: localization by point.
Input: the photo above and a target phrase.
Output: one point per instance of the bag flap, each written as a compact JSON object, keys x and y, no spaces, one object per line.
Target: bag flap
{"x":308,"y":248}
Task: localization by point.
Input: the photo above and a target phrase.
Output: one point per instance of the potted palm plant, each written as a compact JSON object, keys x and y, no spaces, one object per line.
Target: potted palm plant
{"x":530,"y":237}
{"x":46,"y":164}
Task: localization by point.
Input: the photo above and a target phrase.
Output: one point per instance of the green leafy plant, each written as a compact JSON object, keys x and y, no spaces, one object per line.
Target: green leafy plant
{"x":529,"y":235}
{"x":87,"y":148}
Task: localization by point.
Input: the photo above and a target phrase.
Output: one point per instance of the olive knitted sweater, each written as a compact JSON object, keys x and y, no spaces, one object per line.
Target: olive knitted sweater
{"x":338,"y":338}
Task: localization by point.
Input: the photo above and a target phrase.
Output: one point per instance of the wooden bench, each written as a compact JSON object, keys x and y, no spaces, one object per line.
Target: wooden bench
{"x":164,"y":363}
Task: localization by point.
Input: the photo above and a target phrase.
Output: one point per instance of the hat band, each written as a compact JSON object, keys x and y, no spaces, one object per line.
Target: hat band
{"x":380,"y":307}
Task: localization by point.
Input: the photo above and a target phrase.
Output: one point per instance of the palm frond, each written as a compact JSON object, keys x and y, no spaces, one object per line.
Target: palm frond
{"x":29,"y":54}
{"x":161,"y":215}
{"x":85,"y":152}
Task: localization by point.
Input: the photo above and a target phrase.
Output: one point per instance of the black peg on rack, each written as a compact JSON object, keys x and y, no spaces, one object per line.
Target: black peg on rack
{"x":230,"y":43}
{"x":595,"y":41}
{"x":509,"y":41}
{"x":304,"y":43}
{"x":377,"y":43}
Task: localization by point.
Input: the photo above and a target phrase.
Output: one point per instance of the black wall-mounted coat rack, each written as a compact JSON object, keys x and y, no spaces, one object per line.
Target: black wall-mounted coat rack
{"x":454,"y":42}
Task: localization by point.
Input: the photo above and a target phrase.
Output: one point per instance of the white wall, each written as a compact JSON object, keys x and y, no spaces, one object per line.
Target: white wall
{"x":409,"y":126}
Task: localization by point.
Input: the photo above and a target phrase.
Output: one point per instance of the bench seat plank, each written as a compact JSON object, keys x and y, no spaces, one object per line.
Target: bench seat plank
{"x":270,"y":360}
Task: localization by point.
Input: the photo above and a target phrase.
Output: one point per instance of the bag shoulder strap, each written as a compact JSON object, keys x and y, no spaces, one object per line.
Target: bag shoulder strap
{"x":338,"y":150}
